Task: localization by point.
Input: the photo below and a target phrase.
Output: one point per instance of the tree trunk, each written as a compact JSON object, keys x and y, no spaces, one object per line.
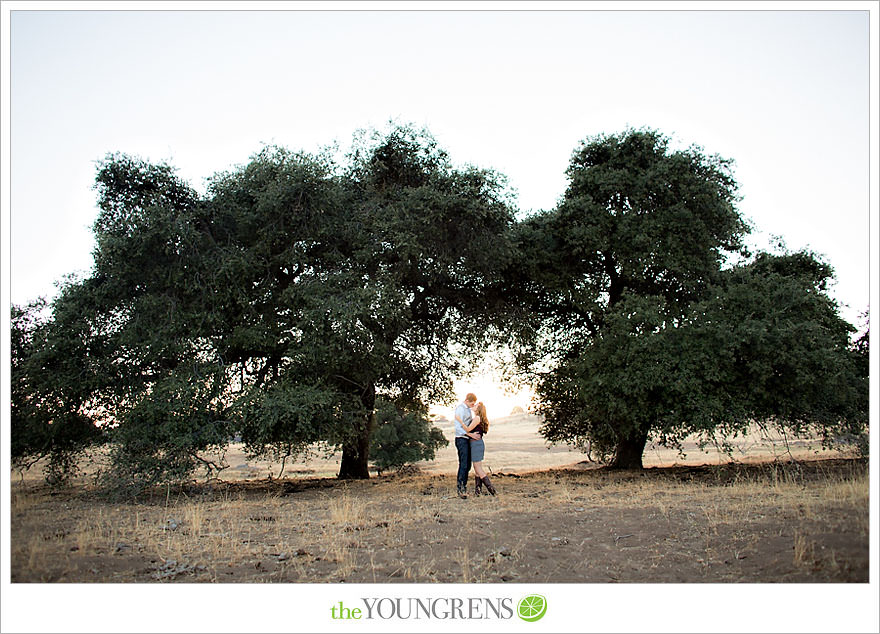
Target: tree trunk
{"x":356,"y":453}
{"x":628,"y":454}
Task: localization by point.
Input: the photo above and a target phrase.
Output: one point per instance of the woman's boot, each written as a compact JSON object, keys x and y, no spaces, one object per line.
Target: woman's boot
{"x":478,"y":486}
{"x":488,"y":484}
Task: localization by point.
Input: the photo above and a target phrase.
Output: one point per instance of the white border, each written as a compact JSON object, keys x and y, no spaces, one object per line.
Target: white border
{"x":305,"y":607}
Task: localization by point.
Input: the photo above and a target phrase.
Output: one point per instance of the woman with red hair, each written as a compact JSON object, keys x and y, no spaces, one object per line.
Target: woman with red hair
{"x":478,"y":426}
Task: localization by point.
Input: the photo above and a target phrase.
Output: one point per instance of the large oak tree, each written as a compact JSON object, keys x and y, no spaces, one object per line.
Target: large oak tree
{"x":300,"y":296}
{"x":280,"y":305}
{"x":651,"y":320}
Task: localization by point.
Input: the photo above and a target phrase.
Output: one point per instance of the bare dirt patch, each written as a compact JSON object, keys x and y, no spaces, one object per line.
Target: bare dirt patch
{"x":782,"y":521}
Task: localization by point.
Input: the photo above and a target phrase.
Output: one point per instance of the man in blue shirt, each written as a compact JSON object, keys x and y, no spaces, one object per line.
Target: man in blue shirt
{"x":463,"y":418}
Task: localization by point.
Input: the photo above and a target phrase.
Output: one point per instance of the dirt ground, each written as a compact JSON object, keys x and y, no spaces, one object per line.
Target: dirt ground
{"x":781,"y":521}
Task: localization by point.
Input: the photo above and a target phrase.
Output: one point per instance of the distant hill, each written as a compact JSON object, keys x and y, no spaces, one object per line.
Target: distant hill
{"x":518,"y":415}
{"x":529,"y":420}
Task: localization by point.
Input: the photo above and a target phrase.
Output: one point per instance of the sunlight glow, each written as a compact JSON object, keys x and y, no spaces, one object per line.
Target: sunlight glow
{"x":491,"y":391}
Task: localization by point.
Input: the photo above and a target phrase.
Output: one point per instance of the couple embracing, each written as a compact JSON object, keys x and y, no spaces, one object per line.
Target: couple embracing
{"x":470,"y":425}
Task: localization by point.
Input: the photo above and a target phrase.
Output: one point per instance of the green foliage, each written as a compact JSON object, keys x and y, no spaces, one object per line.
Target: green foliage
{"x":861,"y":346}
{"x":163,"y":435}
{"x":303,"y":301}
{"x":49,"y":414}
{"x":782,"y":351}
{"x":403,"y":437}
{"x":767,"y":346}
{"x":281,"y":305}
{"x":650,"y":320}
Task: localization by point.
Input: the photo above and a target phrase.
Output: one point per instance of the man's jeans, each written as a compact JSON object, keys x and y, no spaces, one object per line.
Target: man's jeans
{"x":463,"y":445}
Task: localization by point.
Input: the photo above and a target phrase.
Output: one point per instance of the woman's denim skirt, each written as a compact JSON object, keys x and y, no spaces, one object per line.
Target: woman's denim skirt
{"x":478,"y":448}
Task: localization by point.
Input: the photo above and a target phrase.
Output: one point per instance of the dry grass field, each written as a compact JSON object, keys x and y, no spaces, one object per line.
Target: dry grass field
{"x":781,"y":513}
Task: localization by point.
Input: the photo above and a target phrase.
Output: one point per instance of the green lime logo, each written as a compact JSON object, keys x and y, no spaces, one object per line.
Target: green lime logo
{"x":532,"y":607}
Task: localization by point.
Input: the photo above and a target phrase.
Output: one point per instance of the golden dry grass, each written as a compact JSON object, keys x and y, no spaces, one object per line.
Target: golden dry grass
{"x":753,"y":521}
{"x":811,"y":522}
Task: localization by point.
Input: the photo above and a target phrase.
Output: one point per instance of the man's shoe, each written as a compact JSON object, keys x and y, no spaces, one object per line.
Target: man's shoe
{"x":462,"y":494}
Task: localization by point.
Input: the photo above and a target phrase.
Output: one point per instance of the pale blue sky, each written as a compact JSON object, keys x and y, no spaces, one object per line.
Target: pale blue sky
{"x":784,"y":94}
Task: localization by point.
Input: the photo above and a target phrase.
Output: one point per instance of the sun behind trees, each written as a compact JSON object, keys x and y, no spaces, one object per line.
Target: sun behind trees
{"x":299,"y":294}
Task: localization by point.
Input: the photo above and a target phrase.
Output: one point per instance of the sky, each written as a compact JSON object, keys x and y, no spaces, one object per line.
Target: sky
{"x":784,"y":93}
